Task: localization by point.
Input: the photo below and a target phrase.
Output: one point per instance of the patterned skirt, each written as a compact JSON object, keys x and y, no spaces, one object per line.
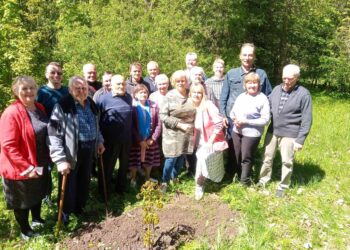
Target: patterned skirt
{"x":152,"y":156}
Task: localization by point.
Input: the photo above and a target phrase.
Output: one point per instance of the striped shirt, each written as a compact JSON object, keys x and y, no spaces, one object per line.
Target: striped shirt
{"x":215,"y":85}
{"x":283,"y":100}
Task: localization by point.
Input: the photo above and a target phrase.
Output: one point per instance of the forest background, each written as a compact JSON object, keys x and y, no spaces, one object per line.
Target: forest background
{"x":113,"y":33}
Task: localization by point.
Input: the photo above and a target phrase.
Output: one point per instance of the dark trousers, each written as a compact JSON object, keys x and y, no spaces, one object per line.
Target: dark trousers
{"x":244,"y":148}
{"x":191,"y":162}
{"x":22,"y":216}
{"x":112,"y":153}
{"x":78,"y":180}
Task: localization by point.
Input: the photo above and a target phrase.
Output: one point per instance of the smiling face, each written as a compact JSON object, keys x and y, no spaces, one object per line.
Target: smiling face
{"x":180,"y":84}
{"x":247,"y":57}
{"x":218,"y":69}
{"x":79,"y":90}
{"x":196,"y":75}
{"x":118,"y":85}
{"x":89,"y":71}
{"x":106,"y":81}
{"x":136,"y":73}
{"x":27,"y":93}
{"x":196,"y":95}
{"x":252,"y":87}
{"x":142,"y":95}
{"x":191,"y":61}
{"x":152,"y":70}
{"x":54,"y":75}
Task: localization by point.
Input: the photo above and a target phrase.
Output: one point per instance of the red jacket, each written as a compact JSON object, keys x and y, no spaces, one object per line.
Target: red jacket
{"x":17,"y":140}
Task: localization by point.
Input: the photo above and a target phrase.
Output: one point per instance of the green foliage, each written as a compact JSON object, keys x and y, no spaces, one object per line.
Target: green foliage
{"x":151,"y":201}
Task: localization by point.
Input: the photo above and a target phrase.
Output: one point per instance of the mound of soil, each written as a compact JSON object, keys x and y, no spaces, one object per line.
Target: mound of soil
{"x":181,"y":220}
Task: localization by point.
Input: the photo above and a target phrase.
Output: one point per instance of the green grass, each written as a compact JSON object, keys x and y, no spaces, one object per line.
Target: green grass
{"x":315,"y":210}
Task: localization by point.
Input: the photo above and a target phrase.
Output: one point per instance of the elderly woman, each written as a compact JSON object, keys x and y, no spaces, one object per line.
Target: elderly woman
{"x":74,"y":140}
{"x":250,"y":113}
{"x":162,"y":83}
{"x":209,"y":135}
{"x":24,"y":157}
{"x":177,"y":116}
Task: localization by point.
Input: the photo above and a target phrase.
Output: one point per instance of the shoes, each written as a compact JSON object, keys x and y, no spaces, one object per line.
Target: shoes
{"x":279,"y":193}
{"x":260,"y":185}
{"x":174,"y":181}
{"x":163,"y":187}
{"x":28,"y":235}
{"x":199,"y":192}
{"x":153,"y":180}
{"x":133,"y":184}
{"x":37,"y":223}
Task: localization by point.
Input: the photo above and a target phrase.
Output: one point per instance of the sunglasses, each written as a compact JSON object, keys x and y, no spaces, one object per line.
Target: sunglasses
{"x":56,"y":72}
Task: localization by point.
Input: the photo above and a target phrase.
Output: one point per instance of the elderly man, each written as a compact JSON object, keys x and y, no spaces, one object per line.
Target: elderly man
{"x":90,"y":75}
{"x":291,"y":110}
{"x":153,"y":71}
{"x":106,"y":85}
{"x":233,"y":87}
{"x":74,"y":140}
{"x":116,"y":127}
{"x":48,"y":96}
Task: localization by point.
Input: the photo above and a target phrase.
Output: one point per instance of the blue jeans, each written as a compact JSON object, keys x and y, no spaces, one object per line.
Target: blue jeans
{"x":172,"y":166}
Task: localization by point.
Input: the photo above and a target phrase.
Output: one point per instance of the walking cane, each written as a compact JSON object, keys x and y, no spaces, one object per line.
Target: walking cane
{"x":60,"y":209}
{"x":104,"y":184}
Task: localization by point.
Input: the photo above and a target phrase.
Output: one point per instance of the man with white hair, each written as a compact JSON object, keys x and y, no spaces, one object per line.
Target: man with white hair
{"x":153,"y":71}
{"x":291,"y":112}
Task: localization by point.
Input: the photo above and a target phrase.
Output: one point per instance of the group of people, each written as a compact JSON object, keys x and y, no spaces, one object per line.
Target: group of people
{"x":141,"y":124}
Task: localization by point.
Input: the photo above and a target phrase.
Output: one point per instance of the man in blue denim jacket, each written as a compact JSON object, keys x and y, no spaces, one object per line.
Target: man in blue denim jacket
{"x":233,"y":87}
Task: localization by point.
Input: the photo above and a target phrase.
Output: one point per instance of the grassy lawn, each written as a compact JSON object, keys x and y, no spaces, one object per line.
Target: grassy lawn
{"x":314,"y":214}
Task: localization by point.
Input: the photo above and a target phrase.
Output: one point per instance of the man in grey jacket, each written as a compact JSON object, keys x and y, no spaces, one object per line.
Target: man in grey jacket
{"x":291,"y":112}
{"x":74,"y":140}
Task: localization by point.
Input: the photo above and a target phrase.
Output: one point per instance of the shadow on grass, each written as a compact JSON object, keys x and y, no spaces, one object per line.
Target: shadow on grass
{"x":303,"y":174}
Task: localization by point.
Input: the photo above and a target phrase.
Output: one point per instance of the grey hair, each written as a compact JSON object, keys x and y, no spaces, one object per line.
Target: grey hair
{"x":161,"y":77}
{"x":74,"y":79}
{"x":196,"y":69}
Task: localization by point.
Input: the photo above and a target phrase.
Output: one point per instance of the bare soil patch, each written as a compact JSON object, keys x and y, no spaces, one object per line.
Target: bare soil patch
{"x":182,"y":219}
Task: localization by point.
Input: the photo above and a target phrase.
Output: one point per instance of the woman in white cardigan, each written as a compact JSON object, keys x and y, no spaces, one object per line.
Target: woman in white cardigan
{"x":250,"y":113}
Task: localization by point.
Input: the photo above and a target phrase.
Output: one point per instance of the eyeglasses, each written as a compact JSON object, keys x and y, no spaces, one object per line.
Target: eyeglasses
{"x":56,"y":72}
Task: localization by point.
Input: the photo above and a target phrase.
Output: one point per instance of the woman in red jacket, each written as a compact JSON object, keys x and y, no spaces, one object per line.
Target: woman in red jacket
{"x":24,"y":155}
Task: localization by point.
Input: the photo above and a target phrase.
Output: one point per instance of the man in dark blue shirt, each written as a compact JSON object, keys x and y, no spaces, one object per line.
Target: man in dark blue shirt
{"x":116,"y":127}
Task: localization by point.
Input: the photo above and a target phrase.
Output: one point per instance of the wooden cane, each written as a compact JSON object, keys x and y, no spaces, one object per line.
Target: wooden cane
{"x":104,"y":185}
{"x":60,"y":209}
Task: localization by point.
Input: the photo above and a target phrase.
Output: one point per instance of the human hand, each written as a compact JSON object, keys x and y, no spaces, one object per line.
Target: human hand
{"x":185,"y":127}
{"x":64,"y":168}
{"x":297,"y":147}
{"x":143,"y":144}
{"x":150,"y":142}
{"x":100,"y":148}
{"x":225,"y":122}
